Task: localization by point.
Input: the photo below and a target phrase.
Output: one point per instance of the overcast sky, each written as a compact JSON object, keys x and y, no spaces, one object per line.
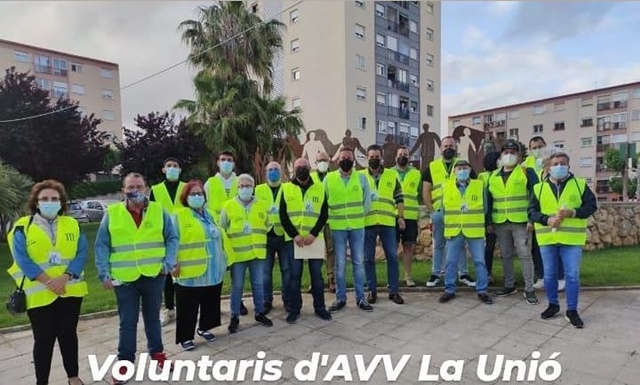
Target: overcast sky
{"x":493,"y":53}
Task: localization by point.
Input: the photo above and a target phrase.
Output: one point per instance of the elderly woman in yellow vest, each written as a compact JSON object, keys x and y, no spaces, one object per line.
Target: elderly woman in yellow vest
{"x":559,"y":207}
{"x":202,"y":262}
{"x":245,"y":219}
{"x":49,"y":253}
{"x":463,"y":204}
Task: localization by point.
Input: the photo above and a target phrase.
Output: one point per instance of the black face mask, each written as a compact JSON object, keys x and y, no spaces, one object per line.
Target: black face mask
{"x":302,"y":174}
{"x":346,"y":164}
{"x":402,"y":161}
{"x":449,"y":153}
{"x":374,"y":164}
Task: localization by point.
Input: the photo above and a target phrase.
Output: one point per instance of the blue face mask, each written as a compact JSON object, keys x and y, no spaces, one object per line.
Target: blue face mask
{"x":195,"y":201}
{"x":559,"y":172}
{"x":136,"y":197}
{"x":245,"y":193}
{"x":226,"y":167}
{"x":463,"y":175}
{"x":273,"y":176}
{"x":49,"y":210}
{"x":172,"y":173}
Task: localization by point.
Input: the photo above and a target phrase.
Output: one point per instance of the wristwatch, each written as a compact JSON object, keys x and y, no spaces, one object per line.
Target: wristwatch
{"x":70,"y":274}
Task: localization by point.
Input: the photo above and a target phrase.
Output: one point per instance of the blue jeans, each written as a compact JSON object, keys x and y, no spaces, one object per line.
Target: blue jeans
{"x":439,"y":245}
{"x":570,"y":256}
{"x":317,"y":283}
{"x":147,"y":290}
{"x":456,"y":251}
{"x":389,"y":240}
{"x":356,"y":243}
{"x":256,"y":274}
{"x":276,"y":245}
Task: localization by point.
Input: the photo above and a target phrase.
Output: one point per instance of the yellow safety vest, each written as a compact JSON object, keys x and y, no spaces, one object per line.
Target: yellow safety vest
{"x":161,"y":195}
{"x":410,"y":191}
{"x":136,"y":251}
{"x":572,"y":231}
{"x":530,"y":162}
{"x":217,"y":196}
{"x":303,"y":210}
{"x":264,"y":194}
{"x":383,"y":206}
{"x":346,"y":202}
{"x":39,"y":248}
{"x":316,"y":177}
{"x":464,"y":213}
{"x":247,"y":231}
{"x":439,"y":175}
{"x":484,"y":177}
{"x":510,"y":201}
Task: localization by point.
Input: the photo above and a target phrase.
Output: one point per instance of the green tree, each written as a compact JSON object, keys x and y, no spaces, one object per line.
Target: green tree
{"x":614,"y":161}
{"x":616,"y":186}
{"x":15,"y":190}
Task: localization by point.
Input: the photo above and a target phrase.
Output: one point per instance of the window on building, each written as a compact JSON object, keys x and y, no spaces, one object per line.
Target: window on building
{"x":403,"y":128}
{"x":513,"y":133}
{"x":380,"y":10}
{"x":414,"y":106}
{"x":618,"y":138}
{"x":413,"y":26}
{"x":77,"y":89}
{"x":537,"y":128}
{"x":382,"y":127}
{"x":43,"y":84}
{"x":559,"y":106}
{"x":60,"y":90}
{"x":20,"y":56}
{"x":107,"y":94}
{"x":59,"y":67}
{"x":604,"y":123}
{"x":360,"y":62}
{"x":430,"y":7}
{"x":414,"y":80}
{"x":429,"y":110}
{"x":360,"y":31}
{"x":77,"y":68}
{"x":296,"y":103}
{"x":587,"y":122}
{"x":381,"y":98}
{"x":293,"y":16}
{"x":402,"y":76}
{"x":604,"y":102}
{"x":430,"y":33}
{"x":295,"y":74}
{"x":430,"y":60}
{"x":295,"y":45}
{"x":635,"y":115}
{"x":361,"y":93}
{"x":430,"y":85}
{"x":587,"y":101}
{"x":514,"y":114}
{"x":558,"y":144}
{"x":500,"y":116}
{"x":620,"y":99}
{"x":476,"y":120}
{"x":619,"y":121}
{"x":380,"y":40}
{"x":359,"y":3}
{"x":586,"y":142}
{"x":42,"y":64}
{"x":636,"y":93}
{"x":391,"y":128}
{"x":586,"y":161}
{"x":381,"y":69}
{"x":108,"y":115}
{"x":413,"y":53}
{"x":392,"y":43}
{"x":362,"y":123}
{"x":413,"y":132}
{"x":539,"y":109}
{"x":105,"y":73}
{"x":558,"y":126}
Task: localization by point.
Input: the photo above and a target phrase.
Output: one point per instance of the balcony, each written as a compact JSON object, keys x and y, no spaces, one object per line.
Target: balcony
{"x":403,"y":4}
{"x":604,"y":106}
{"x":495,"y":123}
{"x":399,"y":85}
{"x":42,"y":69}
{"x":392,"y":26}
{"x":619,"y":125}
{"x":603,"y":148}
{"x":398,"y":57}
{"x":402,"y":113}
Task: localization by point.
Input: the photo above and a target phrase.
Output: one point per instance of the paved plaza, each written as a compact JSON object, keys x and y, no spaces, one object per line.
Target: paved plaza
{"x":606,"y":351}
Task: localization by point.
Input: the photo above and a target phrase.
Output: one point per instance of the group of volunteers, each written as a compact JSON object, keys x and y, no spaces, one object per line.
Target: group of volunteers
{"x":179,"y":238}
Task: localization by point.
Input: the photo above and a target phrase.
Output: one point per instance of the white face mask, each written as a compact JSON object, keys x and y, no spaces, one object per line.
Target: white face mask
{"x":538,"y":153}
{"x":323,"y":167}
{"x":509,"y":160}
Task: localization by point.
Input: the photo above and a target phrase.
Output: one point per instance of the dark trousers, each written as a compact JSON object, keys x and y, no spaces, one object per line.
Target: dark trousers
{"x":317,"y":283}
{"x":56,"y":321}
{"x":489,"y":248}
{"x":169,"y":292}
{"x":191,"y":301}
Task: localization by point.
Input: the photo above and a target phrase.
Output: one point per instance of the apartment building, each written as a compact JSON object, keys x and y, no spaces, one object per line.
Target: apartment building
{"x":94,"y":83}
{"x":372,"y":67}
{"x":583,"y":124}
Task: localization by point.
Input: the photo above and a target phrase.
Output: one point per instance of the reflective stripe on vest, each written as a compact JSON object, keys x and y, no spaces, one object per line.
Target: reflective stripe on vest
{"x":136,"y":251}
{"x":410,"y":191}
{"x":39,"y":249}
{"x":464,"y":213}
{"x":263,"y":193}
{"x":217,"y":195}
{"x":510,"y":200}
{"x":572,"y":231}
{"x":303,"y":211}
{"x":346,"y":202}
{"x":439,"y":176}
{"x":247,"y":247}
{"x":383,"y":207}
{"x":161,"y":195}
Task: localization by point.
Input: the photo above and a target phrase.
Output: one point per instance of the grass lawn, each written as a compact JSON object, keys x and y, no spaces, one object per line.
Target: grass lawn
{"x":614,"y":267}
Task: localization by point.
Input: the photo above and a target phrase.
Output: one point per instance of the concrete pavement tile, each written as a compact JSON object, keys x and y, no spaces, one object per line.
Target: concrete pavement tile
{"x":386,"y":343}
{"x":302,"y":345}
{"x":539,"y":326}
{"x":628,"y":374}
{"x":514,"y":349}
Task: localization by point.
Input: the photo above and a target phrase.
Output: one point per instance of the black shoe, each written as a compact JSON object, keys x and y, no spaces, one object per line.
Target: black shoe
{"x":263,"y":319}
{"x":531,"y":298}
{"x":324,"y":314}
{"x":292,"y":318}
{"x":364,"y":305}
{"x":484,"y":297}
{"x":336,"y":306}
{"x":467,"y":280}
{"x":243,"y":309}
{"x":372,"y":297}
{"x":506,"y":291}
{"x":446,"y":297}
{"x":551,"y":311}
{"x":395,"y":297}
{"x":267,"y":307}
{"x":233,"y":325}
{"x":433,"y":280}
{"x":573,"y":317}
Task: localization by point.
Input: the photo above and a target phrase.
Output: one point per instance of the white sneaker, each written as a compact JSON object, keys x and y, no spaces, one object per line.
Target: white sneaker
{"x":539,"y":284}
{"x":561,"y":284}
{"x":167,"y":316}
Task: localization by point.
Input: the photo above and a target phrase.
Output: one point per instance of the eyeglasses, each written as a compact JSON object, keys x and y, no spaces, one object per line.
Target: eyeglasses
{"x":196,"y":194}
{"x":49,"y":199}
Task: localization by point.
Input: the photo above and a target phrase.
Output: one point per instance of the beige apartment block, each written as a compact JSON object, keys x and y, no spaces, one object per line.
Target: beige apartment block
{"x":583,"y":124}
{"x":93,"y":83}
{"x":371,"y":67}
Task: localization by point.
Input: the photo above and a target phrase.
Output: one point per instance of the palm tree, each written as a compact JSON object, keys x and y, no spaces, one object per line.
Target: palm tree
{"x":15,"y":190}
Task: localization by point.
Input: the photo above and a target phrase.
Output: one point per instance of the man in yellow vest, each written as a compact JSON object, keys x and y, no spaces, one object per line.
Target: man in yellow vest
{"x":438,"y":172}
{"x":559,"y":208}
{"x":410,"y":178}
{"x":464,"y":206}
{"x":349,"y":199}
{"x":303,"y":212}
{"x":167,"y":194}
{"x":381,"y":221}
{"x":508,"y":196}
{"x":322,"y":168}
{"x":136,"y":247}
{"x":490,"y":165}
{"x":270,"y":194}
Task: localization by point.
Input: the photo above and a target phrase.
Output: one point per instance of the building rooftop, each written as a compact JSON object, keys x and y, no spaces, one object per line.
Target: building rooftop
{"x":32,"y":47}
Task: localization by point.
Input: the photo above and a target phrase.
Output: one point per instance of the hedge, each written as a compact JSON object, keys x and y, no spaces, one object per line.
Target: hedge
{"x":91,"y":189}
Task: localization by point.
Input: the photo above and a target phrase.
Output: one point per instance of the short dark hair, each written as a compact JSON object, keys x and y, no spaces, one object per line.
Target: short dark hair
{"x":227,"y":153}
{"x":537,"y":139}
{"x":348,"y":149}
{"x":374,"y":147}
{"x":134,"y":175}
{"x":170,"y":159}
